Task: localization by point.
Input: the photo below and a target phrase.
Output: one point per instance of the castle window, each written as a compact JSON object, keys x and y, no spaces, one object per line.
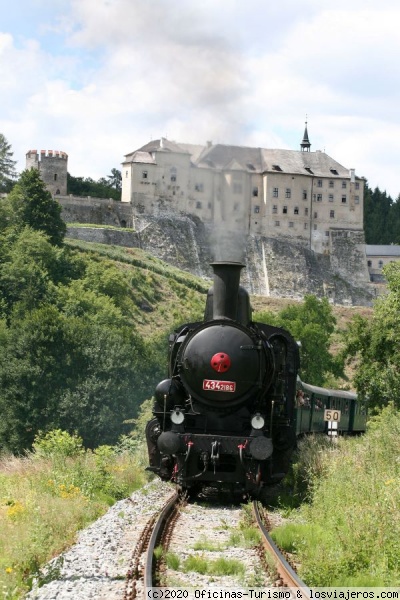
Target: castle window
{"x":288,"y":193}
{"x":144,"y":174}
{"x":315,"y":215}
{"x":126,"y":173}
{"x":305,"y":225}
{"x":380,"y":264}
{"x":55,"y":176}
{"x":344,"y":199}
{"x":277,"y":223}
{"x":198,"y":204}
{"x":334,"y":172}
{"x":357,"y":199}
{"x":304,"y":194}
{"x":123,"y":223}
{"x":332,"y":214}
{"x":331,"y":183}
{"x":296,"y":210}
{"x":309,"y":170}
{"x":209,"y":205}
{"x":284,"y":210}
{"x":275,"y":209}
{"x":173,"y":178}
{"x":306,"y":212}
{"x":319,"y":183}
{"x":255,"y":191}
{"x":276,"y":168}
{"x":275,"y":192}
{"x":319,"y":197}
{"x":57,"y":192}
{"x":291,"y":224}
{"x":344,"y":184}
{"x":330,"y":197}
{"x":370,"y":263}
{"x":315,"y":227}
{"x":256,"y":209}
{"x":327,"y":233}
{"x":357,"y":185}
{"x":199,"y":187}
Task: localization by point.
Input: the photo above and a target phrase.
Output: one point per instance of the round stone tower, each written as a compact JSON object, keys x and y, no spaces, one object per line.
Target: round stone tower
{"x":52,"y":166}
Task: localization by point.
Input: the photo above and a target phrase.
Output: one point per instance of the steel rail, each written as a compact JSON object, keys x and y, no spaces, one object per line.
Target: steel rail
{"x":286,"y":572}
{"x":154,"y":540}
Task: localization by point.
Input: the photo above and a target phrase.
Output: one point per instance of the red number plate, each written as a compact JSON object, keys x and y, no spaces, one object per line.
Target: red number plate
{"x":214,"y":385}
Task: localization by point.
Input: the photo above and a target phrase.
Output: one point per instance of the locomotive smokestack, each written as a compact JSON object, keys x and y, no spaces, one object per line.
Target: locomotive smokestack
{"x":226,"y":289}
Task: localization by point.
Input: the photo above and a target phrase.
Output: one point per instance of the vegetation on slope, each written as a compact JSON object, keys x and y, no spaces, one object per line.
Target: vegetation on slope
{"x":51,"y":493}
{"x":347,"y":531}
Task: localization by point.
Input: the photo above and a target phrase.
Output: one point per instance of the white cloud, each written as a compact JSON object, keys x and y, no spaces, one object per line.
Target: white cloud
{"x":104,"y":76}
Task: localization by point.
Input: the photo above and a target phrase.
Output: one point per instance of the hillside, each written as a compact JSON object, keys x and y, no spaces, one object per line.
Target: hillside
{"x":166,"y":295}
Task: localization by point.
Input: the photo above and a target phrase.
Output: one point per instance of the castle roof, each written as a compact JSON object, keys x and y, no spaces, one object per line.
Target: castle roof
{"x":257,"y":160}
{"x":383,"y":250}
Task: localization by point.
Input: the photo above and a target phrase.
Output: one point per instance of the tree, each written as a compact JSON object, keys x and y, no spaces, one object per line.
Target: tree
{"x":115,"y":179}
{"x":312,"y":323}
{"x":103,"y":188}
{"x":7,"y":165}
{"x":374,"y":346}
{"x":33,"y":205}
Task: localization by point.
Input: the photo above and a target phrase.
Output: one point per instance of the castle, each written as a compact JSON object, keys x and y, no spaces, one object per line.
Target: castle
{"x":53,"y":167}
{"x":295,"y":218}
{"x":301,"y":196}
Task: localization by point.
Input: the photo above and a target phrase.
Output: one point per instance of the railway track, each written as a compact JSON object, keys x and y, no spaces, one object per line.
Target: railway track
{"x":288,"y":575}
{"x":127,"y":553}
{"x":174,"y":523}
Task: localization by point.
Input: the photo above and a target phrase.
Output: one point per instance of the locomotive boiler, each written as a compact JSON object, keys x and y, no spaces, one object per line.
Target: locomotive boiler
{"x":224,"y":417}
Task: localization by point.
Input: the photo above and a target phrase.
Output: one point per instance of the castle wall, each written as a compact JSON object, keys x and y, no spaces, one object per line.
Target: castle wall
{"x":276,"y":267}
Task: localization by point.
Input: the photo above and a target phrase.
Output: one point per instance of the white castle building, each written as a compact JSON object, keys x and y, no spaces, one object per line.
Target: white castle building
{"x":300,"y":195}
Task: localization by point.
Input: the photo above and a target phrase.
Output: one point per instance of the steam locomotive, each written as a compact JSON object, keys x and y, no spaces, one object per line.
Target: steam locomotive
{"x":225,"y":417}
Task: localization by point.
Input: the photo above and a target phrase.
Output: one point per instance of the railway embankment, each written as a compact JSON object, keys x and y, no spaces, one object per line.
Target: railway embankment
{"x":341,"y":506}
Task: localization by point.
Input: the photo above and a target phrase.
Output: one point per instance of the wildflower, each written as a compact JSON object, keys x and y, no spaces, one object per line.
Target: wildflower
{"x":9,"y":570}
{"x":389,"y":481}
{"x":15,"y":510}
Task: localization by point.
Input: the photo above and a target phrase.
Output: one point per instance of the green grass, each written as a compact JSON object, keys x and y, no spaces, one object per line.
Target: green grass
{"x":46,"y":497}
{"x":218,"y":567}
{"x":348,"y":533}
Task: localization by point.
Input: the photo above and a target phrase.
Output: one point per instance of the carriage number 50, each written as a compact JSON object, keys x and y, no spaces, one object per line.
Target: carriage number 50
{"x":331,"y":414}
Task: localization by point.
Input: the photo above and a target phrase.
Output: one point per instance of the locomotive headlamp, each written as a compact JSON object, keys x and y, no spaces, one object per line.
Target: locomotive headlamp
{"x":257,"y":422}
{"x":177,"y":416}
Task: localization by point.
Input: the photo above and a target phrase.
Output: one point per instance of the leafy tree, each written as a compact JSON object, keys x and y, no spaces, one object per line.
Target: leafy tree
{"x":103,"y":188}
{"x":34,"y":206}
{"x":7,"y":166}
{"x":312,"y":323}
{"x":374,"y":346}
{"x":69,"y":355}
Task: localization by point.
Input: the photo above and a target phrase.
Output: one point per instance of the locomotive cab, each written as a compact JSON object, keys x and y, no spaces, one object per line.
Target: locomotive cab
{"x":224,"y":416}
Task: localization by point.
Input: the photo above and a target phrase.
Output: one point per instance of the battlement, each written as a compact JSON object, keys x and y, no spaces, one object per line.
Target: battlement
{"x":46,"y":154}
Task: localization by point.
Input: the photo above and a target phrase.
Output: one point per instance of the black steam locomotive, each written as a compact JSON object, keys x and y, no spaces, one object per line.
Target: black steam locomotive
{"x":225,"y":416}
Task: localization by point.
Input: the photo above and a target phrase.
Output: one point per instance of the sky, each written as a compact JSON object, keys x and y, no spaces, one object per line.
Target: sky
{"x":98,"y":79}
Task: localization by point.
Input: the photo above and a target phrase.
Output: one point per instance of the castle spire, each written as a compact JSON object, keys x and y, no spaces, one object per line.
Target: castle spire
{"x":305,"y":144}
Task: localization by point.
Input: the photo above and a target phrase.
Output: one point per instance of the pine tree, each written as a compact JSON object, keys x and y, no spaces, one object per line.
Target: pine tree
{"x":7,"y":165}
